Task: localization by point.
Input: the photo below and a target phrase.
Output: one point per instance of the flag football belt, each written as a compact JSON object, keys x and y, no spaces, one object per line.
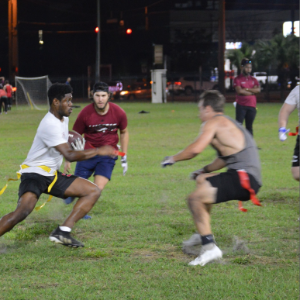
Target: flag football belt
{"x":294,"y":133}
{"x":245,"y":183}
{"x":46,"y":169}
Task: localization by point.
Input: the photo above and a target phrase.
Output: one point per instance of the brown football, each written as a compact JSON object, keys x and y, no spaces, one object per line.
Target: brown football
{"x":74,"y":135}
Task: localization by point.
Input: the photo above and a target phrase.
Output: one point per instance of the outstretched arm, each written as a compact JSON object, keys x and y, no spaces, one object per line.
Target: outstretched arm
{"x":75,"y":155}
{"x":284,"y":114}
{"x":204,"y":139}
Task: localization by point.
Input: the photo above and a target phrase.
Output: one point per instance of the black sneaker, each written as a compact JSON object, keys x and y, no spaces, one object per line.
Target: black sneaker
{"x":63,"y":237}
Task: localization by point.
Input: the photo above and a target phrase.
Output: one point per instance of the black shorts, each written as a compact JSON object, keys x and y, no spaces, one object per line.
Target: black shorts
{"x":38,"y":184}
{"x":229,"y":186}
{"x":295,"y":161}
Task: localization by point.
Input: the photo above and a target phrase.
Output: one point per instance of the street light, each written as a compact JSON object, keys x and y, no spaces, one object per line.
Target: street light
{"x":41,"y":42}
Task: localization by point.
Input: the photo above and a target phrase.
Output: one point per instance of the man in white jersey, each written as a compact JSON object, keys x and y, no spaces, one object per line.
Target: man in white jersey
{"x":39,"y":172}
{"x":290,"y":104}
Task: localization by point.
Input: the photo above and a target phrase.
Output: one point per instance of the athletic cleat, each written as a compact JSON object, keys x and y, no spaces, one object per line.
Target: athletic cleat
{"x":62,"y":237}
{"x":86,"y":217}
{"x":69,"y":200}
{"x":194,"y":240}
{"x":208,"y":253}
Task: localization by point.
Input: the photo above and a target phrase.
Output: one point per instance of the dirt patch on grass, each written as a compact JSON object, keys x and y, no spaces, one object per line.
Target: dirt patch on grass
{"x":166,"y":252}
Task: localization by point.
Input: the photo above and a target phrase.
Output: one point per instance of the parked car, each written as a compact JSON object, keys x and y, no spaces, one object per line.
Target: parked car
{"x":190,"y":84}
{"x":136,"y":91}
{"x":174,"y":86}
{"x":114,"y":87}
{"x":262,"y":79}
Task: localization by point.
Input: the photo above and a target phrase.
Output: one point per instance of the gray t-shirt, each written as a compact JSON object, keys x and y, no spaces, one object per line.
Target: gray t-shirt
{"x":246,"y":159}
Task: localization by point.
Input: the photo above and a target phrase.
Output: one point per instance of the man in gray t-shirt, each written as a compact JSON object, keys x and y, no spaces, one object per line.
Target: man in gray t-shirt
{"x":237,"y":151}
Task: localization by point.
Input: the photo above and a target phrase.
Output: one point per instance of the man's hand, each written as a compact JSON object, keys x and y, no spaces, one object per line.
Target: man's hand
{"x":78,"y":145}
{"x":107,"y":150}
{"x":282,"y":133}
{"x":124,"y":164}
{"x":168,"y":161}
{"x":67,"y":167}
{"x":196,"y":173}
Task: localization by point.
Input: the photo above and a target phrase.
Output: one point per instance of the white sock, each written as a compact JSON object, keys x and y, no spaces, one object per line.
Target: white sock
{"x":65,"y":228}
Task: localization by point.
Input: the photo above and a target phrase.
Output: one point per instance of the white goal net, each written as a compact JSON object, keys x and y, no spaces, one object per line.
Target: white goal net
{"x":32,"y":91}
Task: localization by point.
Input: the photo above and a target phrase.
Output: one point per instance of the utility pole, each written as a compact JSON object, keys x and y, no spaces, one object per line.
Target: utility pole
{"x":146,"y":19}
{"x":13,"y":64}
{"x":293,"y":22}
{"x":97,"y":73}
{"x":221,"y":46}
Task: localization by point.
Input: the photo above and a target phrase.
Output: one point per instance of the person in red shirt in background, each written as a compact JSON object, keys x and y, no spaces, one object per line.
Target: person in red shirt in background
{"x":100,"y":122}
{"x":246,"y":87}
{"x":3,"y":99}
{"x":8,"y":88}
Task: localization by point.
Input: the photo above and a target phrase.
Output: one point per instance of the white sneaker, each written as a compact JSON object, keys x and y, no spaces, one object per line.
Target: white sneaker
{"x":194,"y":240}
{"x":208,"y":253}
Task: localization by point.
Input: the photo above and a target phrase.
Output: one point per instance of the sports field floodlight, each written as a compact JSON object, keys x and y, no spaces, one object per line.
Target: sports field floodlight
{"x":128,"y":31}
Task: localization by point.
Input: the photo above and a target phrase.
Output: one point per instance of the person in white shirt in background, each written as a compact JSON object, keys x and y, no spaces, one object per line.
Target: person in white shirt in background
{"x":289,"y":105}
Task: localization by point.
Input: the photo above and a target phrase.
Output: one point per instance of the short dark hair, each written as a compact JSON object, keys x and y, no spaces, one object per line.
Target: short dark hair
{"x":214,"y":99}
{"x":246,"y":61}
{"x":100,"y":87}
{"x":58,"y":91}
{"x":6,"y":82}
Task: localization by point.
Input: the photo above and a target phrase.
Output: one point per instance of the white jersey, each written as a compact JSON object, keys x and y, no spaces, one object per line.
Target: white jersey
{"x":50,"y":133}
{"x":293,"y":98}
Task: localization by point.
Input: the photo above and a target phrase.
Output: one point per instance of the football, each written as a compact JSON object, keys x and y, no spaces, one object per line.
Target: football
{"x":73,"y":136}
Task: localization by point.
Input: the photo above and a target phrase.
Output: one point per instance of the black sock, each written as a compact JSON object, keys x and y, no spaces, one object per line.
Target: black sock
{"x":207,"y":239}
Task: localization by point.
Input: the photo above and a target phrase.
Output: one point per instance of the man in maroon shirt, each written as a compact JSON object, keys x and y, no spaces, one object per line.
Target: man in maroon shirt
{"x":246,"y":87}
{"x":100,"y":122}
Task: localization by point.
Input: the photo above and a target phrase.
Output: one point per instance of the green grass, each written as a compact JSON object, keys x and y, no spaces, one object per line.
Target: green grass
{"x":133,"y":242}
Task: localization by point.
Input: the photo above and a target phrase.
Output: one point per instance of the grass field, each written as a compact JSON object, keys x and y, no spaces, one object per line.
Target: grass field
{"x":133,"y":244}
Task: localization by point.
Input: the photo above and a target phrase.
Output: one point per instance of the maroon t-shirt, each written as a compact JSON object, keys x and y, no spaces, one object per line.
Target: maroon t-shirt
{"x":246,"y":82}
{"x":101,"y":130}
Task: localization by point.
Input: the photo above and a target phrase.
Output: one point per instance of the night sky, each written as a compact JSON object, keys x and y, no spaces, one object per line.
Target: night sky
{"x":70,"y":41}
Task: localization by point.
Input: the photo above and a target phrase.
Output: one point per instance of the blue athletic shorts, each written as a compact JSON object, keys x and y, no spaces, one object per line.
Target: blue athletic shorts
{"x":98,"y":165}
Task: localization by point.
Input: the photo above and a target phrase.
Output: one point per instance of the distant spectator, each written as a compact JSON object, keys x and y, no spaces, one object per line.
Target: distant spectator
{"x":68,"y":80}
{"x":3,"y":99}
{"x":2,"y":80}
{"x":8,"y":89}
{"x":246,"y":87}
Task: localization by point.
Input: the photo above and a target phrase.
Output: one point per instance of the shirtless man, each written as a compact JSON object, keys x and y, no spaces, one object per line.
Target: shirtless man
{"x":236,"y":150}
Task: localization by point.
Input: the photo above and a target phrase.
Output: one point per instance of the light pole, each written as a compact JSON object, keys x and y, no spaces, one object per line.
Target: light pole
{"x":12,"y":39}
{"x":97,"y":74}
{"x":221,"y":46}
